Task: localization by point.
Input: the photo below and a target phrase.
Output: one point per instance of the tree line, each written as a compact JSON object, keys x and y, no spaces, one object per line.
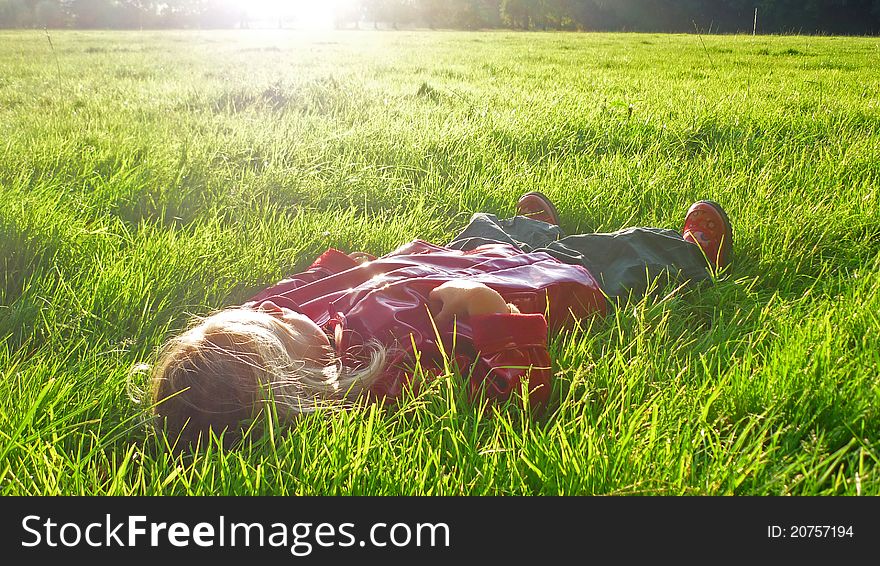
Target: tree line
{"x":705,"y":16}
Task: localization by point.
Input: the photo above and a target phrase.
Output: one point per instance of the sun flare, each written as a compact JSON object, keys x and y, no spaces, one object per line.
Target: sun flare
{"x":300,"y":14}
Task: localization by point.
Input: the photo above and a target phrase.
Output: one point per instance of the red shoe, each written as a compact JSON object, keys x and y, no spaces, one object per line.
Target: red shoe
{"x":537,"y":206}
{"x":707,"y":225}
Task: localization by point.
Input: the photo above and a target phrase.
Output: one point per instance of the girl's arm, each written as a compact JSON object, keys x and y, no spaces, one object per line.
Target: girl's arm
{"x":464,"y":298}
{"x":511,"y":347}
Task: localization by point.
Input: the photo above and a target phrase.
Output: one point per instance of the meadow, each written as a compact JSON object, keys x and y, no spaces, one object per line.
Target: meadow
{"x":149,"y":177}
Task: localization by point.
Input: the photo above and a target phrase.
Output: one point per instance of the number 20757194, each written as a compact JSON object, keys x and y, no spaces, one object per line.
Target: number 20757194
{"x":809,"y":531}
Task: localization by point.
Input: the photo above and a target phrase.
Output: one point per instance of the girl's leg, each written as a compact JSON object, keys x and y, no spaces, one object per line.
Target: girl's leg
{"x":628,"y":262}
{"x":524,"y":233}
{"x":625,"y":263}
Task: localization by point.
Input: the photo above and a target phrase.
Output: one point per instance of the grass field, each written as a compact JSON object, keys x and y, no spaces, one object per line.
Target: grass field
{"x":147,"y":177}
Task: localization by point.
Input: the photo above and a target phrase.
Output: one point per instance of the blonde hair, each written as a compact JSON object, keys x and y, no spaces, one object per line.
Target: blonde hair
{"x":226,"y":369}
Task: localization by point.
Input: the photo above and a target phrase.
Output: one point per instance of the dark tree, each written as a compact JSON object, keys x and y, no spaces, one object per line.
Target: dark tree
{"x":517,"y":13}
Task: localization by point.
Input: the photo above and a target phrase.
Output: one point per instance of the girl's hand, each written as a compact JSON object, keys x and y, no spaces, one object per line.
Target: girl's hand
{"x":461,"y":298}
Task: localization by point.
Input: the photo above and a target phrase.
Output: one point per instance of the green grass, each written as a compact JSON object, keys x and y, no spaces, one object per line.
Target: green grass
{"x":147,"y":177}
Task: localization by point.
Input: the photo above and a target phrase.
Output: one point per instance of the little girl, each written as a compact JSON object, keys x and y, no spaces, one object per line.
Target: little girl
{"x":353,"y":324}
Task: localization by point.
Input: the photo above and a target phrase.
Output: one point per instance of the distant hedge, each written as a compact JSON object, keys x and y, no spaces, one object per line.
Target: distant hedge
{"x":860,"y":17}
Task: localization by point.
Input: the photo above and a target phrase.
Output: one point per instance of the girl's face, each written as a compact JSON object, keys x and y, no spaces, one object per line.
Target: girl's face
{"x":314,"y":344}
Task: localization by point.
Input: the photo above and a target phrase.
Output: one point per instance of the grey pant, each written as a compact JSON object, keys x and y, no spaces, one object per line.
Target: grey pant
{"x":626,"y":263}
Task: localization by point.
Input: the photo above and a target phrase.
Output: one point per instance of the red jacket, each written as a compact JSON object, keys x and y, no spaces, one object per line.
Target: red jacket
{"x":387,"y":299}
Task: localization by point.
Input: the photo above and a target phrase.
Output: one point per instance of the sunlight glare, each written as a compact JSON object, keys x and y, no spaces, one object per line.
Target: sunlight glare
{"x":299,"y":14}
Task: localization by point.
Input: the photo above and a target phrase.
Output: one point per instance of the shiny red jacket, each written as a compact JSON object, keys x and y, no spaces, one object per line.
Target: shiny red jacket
{"x":387,"y":299}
